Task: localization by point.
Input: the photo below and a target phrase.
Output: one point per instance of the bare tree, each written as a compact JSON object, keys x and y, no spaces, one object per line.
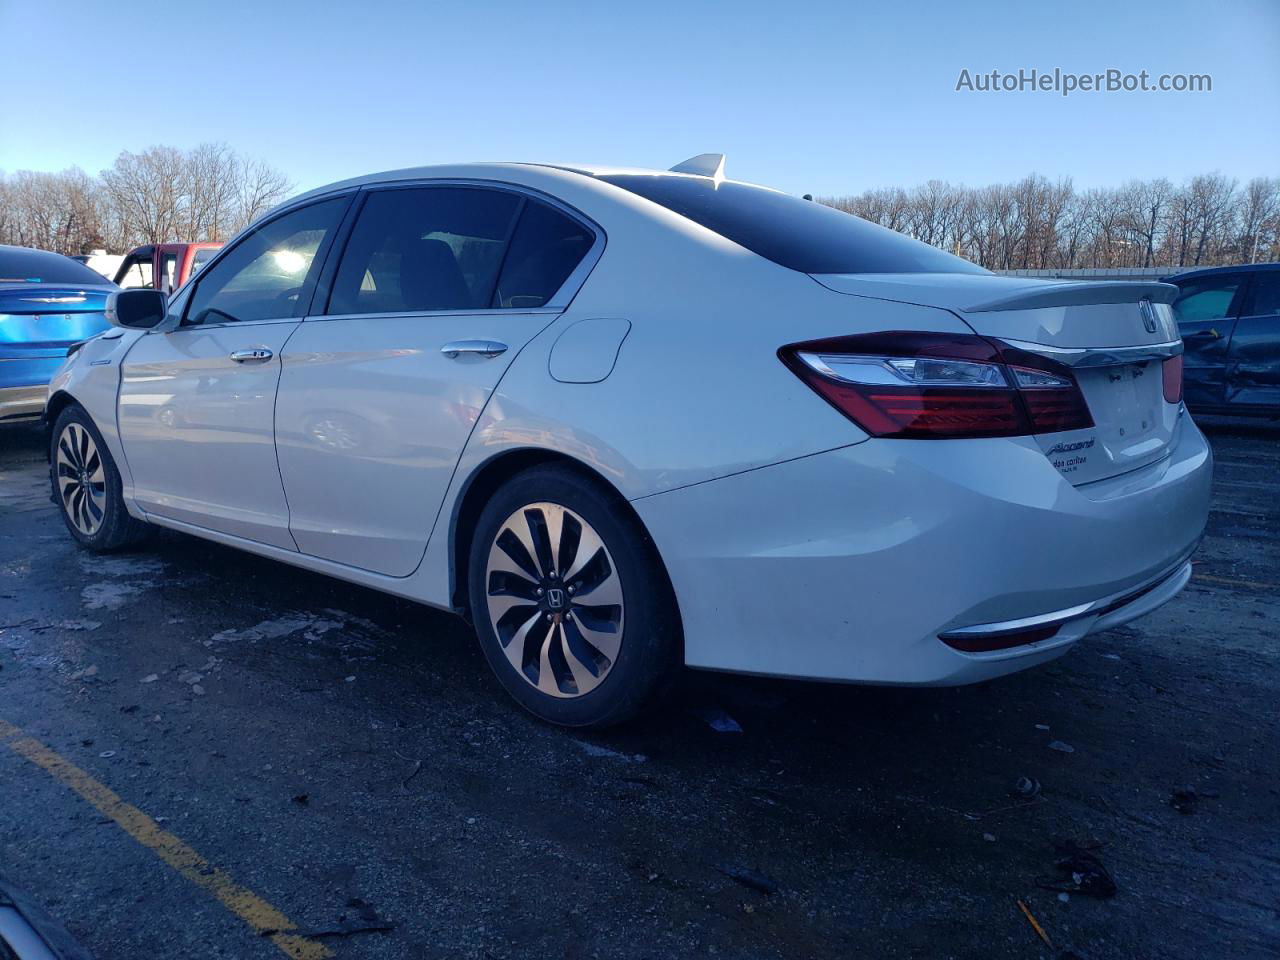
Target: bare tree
{"x":1260,"y":219}
{"x":1039,"y":224}
{"x":260,"y":188}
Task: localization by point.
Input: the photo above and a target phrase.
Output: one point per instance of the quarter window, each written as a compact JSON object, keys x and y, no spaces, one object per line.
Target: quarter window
{"x":263,"y":277}
{"x":427,"y":248}
{"x":1206,"y":299}
{"x":545,"y":249}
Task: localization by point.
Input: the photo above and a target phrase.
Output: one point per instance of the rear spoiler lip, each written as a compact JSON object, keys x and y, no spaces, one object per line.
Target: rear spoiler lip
{"x":1079,"y":293}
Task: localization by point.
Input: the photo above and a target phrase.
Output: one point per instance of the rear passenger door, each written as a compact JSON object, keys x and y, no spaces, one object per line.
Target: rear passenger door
{"x":438,"y":288}
{"x":1253,"y":363}
{"x":1206,"y":310}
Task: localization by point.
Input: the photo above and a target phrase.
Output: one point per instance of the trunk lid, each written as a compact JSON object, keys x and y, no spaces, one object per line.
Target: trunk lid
{"x":1114,"y":335}
{"x":42,"y":321}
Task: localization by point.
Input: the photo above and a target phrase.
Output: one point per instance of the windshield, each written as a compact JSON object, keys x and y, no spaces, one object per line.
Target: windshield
{"x":20,"y":265}
{"x":799,"y":234}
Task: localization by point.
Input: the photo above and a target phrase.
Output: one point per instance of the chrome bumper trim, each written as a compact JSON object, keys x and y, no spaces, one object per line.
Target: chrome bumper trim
{"x":1108,"y":608}
{"x":22,"y":402}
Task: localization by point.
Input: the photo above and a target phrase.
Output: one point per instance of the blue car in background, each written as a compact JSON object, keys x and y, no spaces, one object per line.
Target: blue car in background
{"x":47,"y":303}
{"x":1229,"y":319}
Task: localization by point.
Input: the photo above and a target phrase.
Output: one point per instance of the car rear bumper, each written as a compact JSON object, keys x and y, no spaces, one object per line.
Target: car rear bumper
{"x":24,"y":380}
{"x":22,"y":403}
{"x":851,"y":564}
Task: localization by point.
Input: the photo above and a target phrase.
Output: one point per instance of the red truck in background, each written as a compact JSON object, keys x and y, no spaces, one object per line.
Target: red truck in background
{"x":164,"y":266}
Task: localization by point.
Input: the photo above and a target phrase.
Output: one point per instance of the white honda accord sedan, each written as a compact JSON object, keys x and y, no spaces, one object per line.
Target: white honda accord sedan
{"x":625,"y":420}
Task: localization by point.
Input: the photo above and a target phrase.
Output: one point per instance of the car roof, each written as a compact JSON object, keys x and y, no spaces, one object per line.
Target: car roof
{"x":448,"y":171}
{"x":1213,"y":271}
{"x":496,"y":171}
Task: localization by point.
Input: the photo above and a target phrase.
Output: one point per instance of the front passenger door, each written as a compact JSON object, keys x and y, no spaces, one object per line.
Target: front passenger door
{"x":197,"y":403}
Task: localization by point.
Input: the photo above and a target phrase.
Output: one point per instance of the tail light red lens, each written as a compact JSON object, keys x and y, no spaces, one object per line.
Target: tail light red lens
{"x":1172,"y":370}
{"x":910,"y":384}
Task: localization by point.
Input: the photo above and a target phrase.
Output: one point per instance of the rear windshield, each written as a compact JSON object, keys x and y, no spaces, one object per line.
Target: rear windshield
{"x":19,"y":265}
{"x":799,"y":234}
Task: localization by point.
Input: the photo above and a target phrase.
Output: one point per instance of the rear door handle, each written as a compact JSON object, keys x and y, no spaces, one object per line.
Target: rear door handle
{"x":244,"y":356}
{"x":483,"y":348}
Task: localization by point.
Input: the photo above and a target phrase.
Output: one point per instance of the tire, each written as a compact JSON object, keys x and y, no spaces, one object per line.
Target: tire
{"x":565,"y":660}
{"x":86,"y":485}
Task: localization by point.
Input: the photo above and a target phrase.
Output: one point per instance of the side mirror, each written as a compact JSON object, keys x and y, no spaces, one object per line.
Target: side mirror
{"x":139,"y":309}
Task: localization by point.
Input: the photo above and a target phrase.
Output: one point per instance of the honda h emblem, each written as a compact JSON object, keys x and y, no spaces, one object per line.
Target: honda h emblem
{"x":555,"y":598}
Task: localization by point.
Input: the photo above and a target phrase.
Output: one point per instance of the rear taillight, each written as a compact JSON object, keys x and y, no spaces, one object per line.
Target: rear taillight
{"x":930,"y":385}
{"x":1172,"y":371}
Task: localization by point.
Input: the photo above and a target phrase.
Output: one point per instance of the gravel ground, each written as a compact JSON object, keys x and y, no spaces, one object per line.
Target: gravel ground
{"x":321,"y":743}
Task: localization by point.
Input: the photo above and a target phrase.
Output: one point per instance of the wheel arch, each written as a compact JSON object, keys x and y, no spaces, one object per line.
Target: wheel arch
{"x":487,"y":478}
{"x":52,"y":410}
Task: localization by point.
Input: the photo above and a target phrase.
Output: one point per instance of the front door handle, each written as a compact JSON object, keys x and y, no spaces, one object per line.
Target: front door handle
{"x":258,"y":354}
{"x":482,"y":348}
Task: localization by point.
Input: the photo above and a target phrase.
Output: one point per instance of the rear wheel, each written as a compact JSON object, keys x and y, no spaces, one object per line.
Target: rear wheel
{"x":571,"y":604}
{"x":86,"y":484}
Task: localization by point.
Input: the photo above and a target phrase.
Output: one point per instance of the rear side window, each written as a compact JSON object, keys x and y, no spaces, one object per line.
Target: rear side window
{"x":798,"y":234}
{"x":1207,"y":298}
{"x":20,"y":265}
{"x":545,"y":249}
{"x":428,"y":248}
{"x":1264,"y":297}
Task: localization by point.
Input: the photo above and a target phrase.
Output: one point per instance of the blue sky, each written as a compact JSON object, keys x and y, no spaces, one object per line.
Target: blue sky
{"x":822,"y":97}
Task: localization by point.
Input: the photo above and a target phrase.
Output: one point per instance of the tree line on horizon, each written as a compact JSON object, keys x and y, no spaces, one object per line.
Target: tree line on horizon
{"x":162,"y":194}
{"x":211,"y":192}
{"x":1036,"y":223}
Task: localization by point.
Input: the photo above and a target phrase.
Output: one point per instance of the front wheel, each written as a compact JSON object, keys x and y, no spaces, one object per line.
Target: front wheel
{"x":573,"y":609}
{"x":86,"y":484}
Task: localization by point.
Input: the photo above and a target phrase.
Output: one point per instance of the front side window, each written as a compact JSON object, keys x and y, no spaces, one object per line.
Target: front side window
{"x":136,"y":272}
{"x":425,"y":248}
{"x":264,"y":275}
{"x":798,"y":234}
{"x":1208,"y":298}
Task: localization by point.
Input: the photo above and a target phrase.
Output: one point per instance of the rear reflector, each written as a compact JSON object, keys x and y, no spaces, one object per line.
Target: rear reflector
{"x":917,"y":385}
{"x":980,"y":644}
{"x":1172,"y":370}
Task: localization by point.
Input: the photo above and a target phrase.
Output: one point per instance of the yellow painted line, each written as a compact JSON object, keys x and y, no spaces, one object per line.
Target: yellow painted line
{"x":244,"y":903}
{"x":1233,"y":582}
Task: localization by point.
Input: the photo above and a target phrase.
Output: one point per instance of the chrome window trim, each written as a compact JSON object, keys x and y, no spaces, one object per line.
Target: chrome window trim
{"x":503,"y":311}
{"x":225,"y":324}
{"x":559,"y":301}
